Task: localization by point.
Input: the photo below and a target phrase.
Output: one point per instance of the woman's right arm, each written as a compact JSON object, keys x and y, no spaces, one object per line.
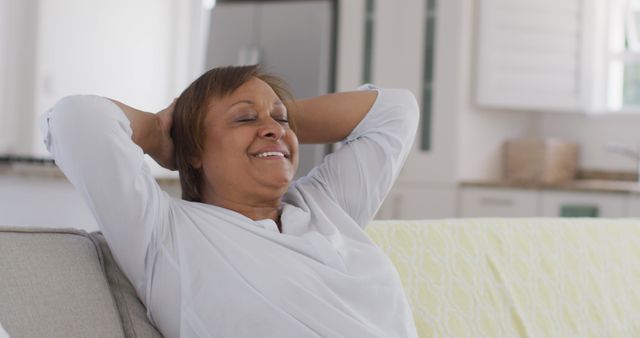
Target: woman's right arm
{"x":100,"y":146}
{"x":151,"y":132}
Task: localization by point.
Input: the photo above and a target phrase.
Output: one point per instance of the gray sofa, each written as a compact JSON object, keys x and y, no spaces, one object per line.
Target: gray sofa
{"x":484,"y":277}
{"x":65,"y":283}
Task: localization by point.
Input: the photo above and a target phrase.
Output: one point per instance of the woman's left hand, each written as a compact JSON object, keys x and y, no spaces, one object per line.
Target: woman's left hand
{"x":165,"y":150}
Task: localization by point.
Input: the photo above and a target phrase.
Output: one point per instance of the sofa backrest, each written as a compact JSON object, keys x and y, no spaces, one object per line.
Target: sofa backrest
{"x":518,"y":277}
{"x":463,"y":277}
{"x":133,"y":313}
{"x":53,"y":284}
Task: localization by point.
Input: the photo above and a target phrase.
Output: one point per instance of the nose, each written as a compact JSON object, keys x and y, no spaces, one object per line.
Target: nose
{"x":271,"y":129}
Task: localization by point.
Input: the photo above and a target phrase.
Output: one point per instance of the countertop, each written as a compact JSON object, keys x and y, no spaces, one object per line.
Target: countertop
{"x":580,"y":185}
{"x":29,"y":167}
{"x":588,"y":181}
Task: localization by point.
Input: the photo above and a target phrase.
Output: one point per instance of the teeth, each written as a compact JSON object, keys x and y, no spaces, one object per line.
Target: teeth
{"x":270,"y":153}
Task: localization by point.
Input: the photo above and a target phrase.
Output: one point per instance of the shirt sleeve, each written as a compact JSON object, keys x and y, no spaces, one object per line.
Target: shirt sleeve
{"x":90,"y":140}
{"x":361,"y":172}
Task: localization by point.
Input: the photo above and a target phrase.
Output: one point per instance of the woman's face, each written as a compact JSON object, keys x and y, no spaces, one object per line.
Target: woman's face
{"x":250,"y":153}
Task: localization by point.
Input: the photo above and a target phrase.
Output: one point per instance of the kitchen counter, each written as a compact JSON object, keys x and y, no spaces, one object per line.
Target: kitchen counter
{"x":25,"y":170}
{"x":39,"y":168}
{"x":34,"y":192}
{"x":580,"y":185}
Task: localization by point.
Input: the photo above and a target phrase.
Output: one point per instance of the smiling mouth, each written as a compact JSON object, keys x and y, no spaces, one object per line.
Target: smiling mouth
{"x":272,"y":154}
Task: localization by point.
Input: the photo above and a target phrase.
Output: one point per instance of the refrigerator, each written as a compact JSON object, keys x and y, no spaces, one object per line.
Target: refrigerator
{"x":292,"y":39}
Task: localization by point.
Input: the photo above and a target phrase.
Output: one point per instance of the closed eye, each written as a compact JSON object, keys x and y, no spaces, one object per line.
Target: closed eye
{"x":280,"y":117}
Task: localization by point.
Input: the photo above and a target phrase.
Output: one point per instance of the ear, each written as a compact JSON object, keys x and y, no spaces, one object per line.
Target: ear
{"x":196,"y":162}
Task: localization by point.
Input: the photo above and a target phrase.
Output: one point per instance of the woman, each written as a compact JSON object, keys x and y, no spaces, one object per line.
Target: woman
{"x":246,"y":252}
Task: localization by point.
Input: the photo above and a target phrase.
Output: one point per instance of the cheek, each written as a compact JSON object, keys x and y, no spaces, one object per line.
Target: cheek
{"x":214,"y":151}
{"x":227,"y":149}
{"x":220,"y":164}
{"x":292,"y":140}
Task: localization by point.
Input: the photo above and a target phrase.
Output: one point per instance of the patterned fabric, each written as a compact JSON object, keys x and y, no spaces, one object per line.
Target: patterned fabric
{"x":518,"y":277}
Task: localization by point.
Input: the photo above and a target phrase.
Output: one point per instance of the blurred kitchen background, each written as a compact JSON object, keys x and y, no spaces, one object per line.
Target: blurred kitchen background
{"x":529,"y":108}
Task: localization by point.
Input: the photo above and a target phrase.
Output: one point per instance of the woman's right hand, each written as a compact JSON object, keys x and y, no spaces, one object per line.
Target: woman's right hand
{"x":165,"y":153}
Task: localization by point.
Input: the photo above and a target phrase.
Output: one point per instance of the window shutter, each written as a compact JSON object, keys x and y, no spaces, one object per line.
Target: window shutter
{"x":533,"y":54}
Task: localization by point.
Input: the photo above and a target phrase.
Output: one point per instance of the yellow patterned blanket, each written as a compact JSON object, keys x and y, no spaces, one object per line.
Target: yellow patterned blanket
{"x":518,"y":277}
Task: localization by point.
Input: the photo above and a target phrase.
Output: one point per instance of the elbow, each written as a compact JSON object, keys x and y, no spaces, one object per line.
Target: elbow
{"x":56,"y":120}
{"x":413,"y":110}
{"x":65,"y":112}
{"x":78,"y":111}
{"x":403,"y":115}
{"x":409,"y":111}
{"x":73,"y":117}
{"x":70,"y":107}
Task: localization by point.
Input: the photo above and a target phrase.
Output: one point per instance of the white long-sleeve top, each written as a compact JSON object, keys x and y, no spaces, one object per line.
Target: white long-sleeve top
{"x":206,"y":271}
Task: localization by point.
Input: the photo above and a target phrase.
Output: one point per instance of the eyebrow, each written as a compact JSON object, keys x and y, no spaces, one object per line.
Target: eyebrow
{"x":237,"y":103}
{"x":278,"y":103}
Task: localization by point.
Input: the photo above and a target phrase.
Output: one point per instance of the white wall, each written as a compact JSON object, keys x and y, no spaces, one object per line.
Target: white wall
{"x":142,"y":52}
{"x":122,"y":51}
{"x":4,"y":36}
{"x":481,"y":131}
{"x":16,"y":107}
{"x":593,"y":133}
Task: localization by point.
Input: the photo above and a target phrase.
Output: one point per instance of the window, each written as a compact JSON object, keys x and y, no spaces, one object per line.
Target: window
{"x":530,"y":54}
{"x":559,"y":55}
{"x":624,"y":55}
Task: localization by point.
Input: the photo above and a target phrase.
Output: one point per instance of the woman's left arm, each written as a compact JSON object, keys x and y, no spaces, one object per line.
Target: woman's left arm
{"x":376,"y":128}
{"x":330,"y":118}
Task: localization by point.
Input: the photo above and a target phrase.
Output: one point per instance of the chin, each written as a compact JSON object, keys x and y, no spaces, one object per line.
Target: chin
{"x":286,"y":182}
{"x":279,"y":182}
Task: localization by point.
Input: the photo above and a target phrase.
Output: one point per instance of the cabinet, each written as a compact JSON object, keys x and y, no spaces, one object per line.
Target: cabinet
{"x":419,"y":201}
{"x":498,"y":202}
{"x":633,"y":206}
{"x":604,"y":204}
{"x":290,"y":39}
{"x":52,"y":202}
{"x":512,"y":202}
{"x":44,"y":202}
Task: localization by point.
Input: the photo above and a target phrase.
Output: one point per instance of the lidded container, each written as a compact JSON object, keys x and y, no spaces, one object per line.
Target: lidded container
{"x":536,"y":160}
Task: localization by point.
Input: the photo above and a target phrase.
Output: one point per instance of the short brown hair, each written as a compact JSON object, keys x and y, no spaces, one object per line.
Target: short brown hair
{"x":188,"y":129}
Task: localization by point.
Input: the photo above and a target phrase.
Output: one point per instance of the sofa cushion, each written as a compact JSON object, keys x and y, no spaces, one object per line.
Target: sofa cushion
{"x":133,"y":313}
{"x":53,"y":285}
{"x":518,"y":277}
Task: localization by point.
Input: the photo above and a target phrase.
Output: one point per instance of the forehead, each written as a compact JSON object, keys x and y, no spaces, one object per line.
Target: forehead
{"x":254,"y":90}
